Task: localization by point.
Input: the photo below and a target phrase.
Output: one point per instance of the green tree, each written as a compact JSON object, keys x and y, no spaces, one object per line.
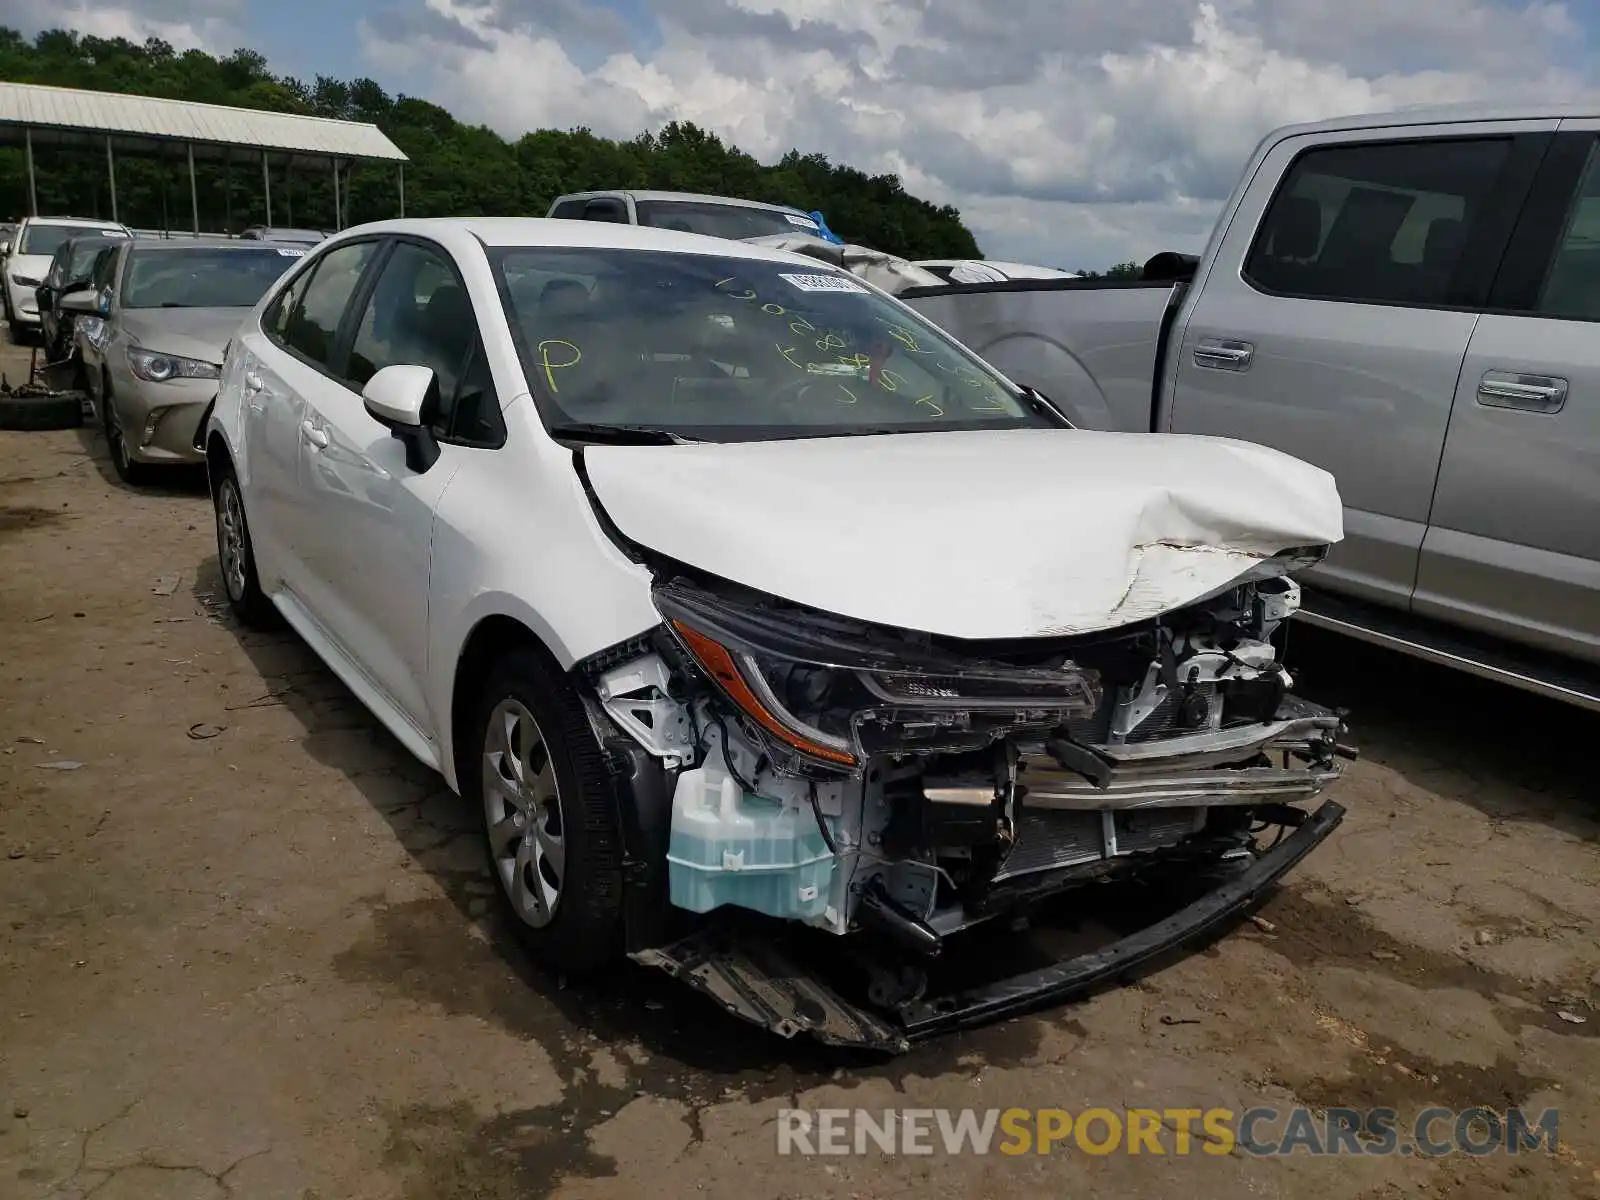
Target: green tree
{"x":455,"y":169}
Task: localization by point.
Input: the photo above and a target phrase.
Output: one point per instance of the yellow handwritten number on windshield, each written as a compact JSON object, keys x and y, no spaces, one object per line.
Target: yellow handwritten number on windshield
{"x":550,"y":365}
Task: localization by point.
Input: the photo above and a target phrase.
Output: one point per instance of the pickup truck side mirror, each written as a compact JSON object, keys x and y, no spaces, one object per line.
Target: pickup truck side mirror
{"x":404,"y":399}
{"x":5,"y":247}
{"x":1170,"y":265}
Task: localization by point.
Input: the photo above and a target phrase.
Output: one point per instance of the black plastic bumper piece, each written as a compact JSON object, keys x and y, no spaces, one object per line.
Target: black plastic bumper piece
{"x":748,"y":975}
{"x":1077,"y":976}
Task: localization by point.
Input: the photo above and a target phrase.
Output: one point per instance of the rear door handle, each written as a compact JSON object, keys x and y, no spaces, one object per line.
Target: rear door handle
{"x":317,"y":437}
{"x":1514,"y":389}
{"x":1223,"y":354}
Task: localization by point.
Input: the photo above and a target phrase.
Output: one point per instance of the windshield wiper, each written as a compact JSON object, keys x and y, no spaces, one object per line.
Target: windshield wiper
{"x":620,"y":435}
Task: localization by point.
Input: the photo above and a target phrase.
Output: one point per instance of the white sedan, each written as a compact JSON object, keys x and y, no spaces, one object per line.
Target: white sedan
{"x":742,"y":598}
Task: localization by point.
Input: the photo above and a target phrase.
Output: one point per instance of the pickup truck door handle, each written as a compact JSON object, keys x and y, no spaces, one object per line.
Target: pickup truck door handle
{"x":1513,"y":389}
{"x":317,"y":437}
{"x":1223,"y":354}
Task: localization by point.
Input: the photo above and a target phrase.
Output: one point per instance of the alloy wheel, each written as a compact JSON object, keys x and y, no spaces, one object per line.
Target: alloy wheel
{"x":522,"y":804}
{"x":230,"y":539}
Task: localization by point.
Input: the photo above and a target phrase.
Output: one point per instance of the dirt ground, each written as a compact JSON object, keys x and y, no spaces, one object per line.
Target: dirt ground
{"x":247,"y":949}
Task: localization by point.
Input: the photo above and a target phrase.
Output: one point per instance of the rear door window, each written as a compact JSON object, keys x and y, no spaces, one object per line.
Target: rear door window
{"x":1379,"y":222}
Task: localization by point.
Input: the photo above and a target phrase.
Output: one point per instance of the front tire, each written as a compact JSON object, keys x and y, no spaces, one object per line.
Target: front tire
{"x":132,"y":473}
{"x":236,"y":556}
{"x":550,"y":828}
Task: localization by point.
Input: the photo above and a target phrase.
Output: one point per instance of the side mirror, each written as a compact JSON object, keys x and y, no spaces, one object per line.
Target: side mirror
{"x":405,"y":401}
{"x":5,"y":247}
{"x":83,"y":300}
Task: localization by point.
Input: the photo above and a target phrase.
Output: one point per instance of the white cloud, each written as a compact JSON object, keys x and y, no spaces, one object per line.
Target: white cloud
{"x":1070,"y":132}
{"x":210,"y":25}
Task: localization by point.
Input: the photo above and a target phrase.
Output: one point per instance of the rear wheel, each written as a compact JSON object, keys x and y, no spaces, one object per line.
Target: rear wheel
{"x":549,"y":825}
{"x":236,"y":556}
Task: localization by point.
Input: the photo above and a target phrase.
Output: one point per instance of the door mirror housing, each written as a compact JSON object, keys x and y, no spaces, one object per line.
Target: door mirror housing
{"x":5,"y":247}
{"x":83,"y":299}
{"x":404,"y":399}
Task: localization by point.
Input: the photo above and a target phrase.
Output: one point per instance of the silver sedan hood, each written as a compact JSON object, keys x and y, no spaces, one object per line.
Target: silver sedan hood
{"x":191,"y":332}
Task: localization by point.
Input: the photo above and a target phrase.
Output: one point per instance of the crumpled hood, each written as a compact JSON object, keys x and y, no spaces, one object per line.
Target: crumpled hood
{"x":988,"y":534}
{"x":190,"y":332}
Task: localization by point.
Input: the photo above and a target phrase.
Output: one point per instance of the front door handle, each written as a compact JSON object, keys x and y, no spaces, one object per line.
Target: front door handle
{"x":317,"y":437}
{"x":1515,"y":389}
{"x":1224,"y":354}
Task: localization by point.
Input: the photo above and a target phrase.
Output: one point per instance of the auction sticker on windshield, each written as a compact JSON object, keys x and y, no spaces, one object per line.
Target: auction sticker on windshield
{"x":822,"y":283}
{"x":292,"y":253}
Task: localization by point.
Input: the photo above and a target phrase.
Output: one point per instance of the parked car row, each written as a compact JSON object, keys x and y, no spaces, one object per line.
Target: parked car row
{"x":35,"y":273}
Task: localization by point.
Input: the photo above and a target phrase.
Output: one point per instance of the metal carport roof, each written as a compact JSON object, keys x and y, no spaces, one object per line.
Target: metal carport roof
{"x":33,"y":114}
{"x":68,"y":116}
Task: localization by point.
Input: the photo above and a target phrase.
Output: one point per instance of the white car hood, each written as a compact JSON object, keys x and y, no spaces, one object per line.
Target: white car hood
{"x":990,"y":534}
{"x":30,"y":266}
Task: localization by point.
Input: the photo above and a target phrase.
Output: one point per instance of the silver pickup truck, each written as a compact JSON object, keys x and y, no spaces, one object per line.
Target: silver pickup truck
{"x":1410,"y":302}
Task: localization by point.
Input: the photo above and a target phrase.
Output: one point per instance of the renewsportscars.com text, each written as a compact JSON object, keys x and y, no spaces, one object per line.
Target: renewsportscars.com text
{"x":1263,"y":1132}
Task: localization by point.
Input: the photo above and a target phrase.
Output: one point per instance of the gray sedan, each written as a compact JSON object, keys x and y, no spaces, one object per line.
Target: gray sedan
{"x":152,"y":331}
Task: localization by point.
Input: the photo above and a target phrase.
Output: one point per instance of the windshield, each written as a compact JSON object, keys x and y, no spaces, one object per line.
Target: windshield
{"x":203,"y":277}
{"x":81,"y":258}
{"x":720,"y":220}
{"x":735,"y":349}
{"x":47,"y":239}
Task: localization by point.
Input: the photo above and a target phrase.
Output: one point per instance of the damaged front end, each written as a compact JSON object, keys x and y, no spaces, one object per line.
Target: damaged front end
{"x":782,"y":767}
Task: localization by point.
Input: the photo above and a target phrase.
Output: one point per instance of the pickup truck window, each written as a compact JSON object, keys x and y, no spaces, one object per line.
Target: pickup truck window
{"x":568,"y":210}
{"x":1572,"y":289}
{"x":1380,"y":223}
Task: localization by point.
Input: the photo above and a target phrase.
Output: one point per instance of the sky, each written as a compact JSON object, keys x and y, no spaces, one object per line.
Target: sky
{"x":1070,"y":133}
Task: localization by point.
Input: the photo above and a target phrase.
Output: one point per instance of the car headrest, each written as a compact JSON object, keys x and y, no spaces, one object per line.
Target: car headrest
{"x":563,"y":298}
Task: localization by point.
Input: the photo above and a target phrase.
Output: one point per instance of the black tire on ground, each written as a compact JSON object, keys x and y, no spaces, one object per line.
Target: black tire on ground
{"x":63,"y":411}
{"x":584,"y":933}
{"x":20,"y":333}
{"x":242,"y":587}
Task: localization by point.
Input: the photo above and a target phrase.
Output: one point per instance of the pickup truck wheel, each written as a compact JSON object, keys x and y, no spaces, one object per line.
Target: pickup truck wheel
{"x":236,"y":557}
{"x":549,"y":826}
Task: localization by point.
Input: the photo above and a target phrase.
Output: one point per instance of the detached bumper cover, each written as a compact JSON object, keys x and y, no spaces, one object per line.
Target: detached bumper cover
{"x":751,"y":979}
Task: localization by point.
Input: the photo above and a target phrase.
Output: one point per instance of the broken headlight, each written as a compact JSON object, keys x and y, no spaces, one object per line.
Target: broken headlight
{"x":835,"y":692}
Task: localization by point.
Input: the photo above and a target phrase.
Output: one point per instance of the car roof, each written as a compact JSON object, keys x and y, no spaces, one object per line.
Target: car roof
{"x":685,"y":197}
{"x":176,"y":245}
{"x":1446,"y":114}
{"x":502,"y":232}
{"x":88,"y":222}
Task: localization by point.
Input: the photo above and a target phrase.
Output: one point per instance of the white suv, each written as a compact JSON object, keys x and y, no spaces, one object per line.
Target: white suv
{"x":27,"y":259}
{"x":755,"y":612}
